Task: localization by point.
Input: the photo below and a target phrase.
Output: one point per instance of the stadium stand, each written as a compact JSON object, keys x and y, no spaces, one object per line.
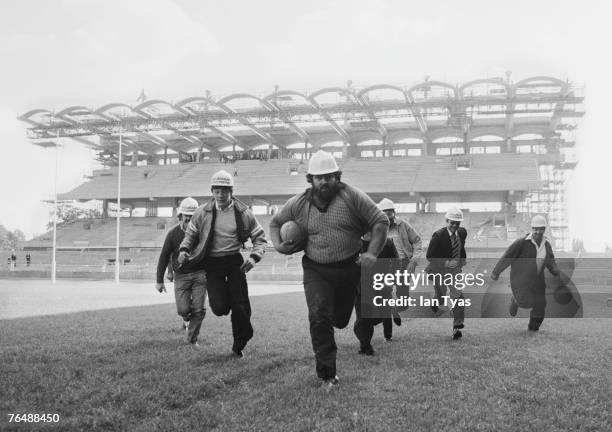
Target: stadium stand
{"x":273,"y":177}
{"x":488,"y":140}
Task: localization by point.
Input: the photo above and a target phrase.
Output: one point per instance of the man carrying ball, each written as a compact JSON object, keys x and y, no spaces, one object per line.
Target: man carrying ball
{"x":333,"y":216}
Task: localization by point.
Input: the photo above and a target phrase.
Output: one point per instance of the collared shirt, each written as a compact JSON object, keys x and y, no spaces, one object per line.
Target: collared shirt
{"x":540,"y":250}
{"x":231,"y":205}
{"x":451,"y":234}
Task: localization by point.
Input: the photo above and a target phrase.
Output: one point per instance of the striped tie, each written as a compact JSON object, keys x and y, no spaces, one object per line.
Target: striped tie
{"x":454,"y":246}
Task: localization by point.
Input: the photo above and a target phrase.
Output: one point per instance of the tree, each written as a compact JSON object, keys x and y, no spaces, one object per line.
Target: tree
{"x":68,"y":213}
{"x":9,"y":240}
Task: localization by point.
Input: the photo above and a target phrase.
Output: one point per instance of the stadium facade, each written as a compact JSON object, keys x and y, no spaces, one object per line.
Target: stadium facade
{"x":424,"y":146}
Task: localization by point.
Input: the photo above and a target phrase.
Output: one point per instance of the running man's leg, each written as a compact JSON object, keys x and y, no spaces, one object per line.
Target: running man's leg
{"x":320,"y":300}
{"x":198,"y":308}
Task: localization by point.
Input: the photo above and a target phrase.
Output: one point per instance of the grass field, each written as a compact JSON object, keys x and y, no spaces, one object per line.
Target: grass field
{"x":128,"y":369}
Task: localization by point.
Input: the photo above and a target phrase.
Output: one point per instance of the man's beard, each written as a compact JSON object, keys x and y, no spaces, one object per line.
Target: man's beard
{"x":326,"y":192}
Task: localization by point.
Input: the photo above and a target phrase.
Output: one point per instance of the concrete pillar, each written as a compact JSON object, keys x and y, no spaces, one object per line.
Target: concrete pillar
{"x":428,"y":147}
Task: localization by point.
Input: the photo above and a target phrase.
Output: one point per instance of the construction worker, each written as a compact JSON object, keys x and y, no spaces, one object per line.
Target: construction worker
{"x":334,"y":216}
{"x":216,"y":234}
{"x":189,"y":279}
{"x":407,"y":241}
{"x":409,"y":249}
{"x":446,"y":256}
{"x":527,"y":258}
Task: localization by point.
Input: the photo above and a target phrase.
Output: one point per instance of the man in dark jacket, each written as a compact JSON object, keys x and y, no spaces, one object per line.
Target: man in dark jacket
{"x":527,"y":258}
{"x":215,"y":236}
{"x":189,"y":280}
{"x":446,"y":256}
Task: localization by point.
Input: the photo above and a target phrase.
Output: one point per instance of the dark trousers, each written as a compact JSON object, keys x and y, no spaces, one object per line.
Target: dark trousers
{"x":330,"y":295}
{"x":228,"y":291}
{"x":364,"y":327}
{"x":458,"y":311}
{"x":536,"y":316}
{"x":387,"y":328}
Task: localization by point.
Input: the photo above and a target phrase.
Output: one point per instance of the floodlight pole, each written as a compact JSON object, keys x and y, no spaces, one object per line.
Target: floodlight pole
{"x":53,"y":260}
{"x":118,"y":207}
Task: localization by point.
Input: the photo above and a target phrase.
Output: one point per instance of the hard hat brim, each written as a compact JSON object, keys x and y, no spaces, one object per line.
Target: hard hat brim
{"x":323,"y":172}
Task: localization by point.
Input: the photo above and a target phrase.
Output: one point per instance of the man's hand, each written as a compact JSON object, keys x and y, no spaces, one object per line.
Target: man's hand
{"x":367,"y":260}
{"x":411,"y":266}
{"x":247,"y":265}
{"x":160,"y":287}
{"x":182,"y":257}
{"x":288,"y":247}
{"x":494,"y":276}
{"x":452,"y":263}
{"x":170,"y":276}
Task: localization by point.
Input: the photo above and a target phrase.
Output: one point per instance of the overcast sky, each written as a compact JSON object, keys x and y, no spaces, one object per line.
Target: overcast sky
{"x":57,"y":53}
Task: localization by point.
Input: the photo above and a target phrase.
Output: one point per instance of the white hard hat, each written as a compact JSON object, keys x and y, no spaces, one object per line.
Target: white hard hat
{"x":386,"y":204}
{"x":538,"y":221}
{"x":321,"y":163}
{"x":222,"y":178}
{"x":188,"y":207}
{"x":454,"y":214}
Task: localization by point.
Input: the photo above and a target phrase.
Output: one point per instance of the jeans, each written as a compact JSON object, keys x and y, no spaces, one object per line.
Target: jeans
{"x":190,"y":295}
{"x":228,"y":291}
{"x":330,"y":295}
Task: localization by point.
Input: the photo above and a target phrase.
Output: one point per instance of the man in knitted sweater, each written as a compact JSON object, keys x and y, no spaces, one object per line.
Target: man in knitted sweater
{"x":189,"y":280}
{"x":216,"y":234}
{"x":334,"y":216}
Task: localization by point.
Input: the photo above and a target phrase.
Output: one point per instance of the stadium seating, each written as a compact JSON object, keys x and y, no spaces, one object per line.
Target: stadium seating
{"x":274,"y":177}
{"x":91,"y":242}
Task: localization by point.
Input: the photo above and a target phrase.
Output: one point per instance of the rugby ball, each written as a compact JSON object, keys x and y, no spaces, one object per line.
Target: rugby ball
{"x":292,"y":231}
{"x":563,"y":295}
